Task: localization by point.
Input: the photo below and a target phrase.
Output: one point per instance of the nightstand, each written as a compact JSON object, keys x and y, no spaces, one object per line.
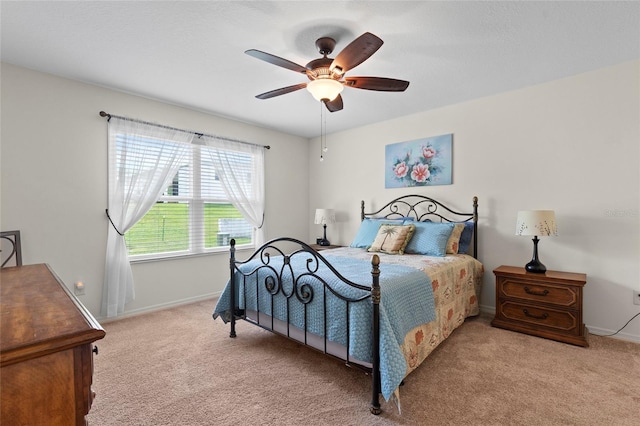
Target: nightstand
{"x":318,"y":247}
{"x":546,"y":305}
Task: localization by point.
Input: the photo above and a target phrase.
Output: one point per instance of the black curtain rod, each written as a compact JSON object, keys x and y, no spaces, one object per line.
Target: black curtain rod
{"x":105,"y":114}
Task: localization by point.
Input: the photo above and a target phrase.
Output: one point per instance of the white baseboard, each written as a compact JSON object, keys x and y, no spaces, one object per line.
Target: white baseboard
{"x":484,"y":309}
{"x":622,"y":335}
{"x":161,"y":306}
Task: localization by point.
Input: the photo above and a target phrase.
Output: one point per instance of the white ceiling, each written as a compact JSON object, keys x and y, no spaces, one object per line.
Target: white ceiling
{"x":192,"y":53}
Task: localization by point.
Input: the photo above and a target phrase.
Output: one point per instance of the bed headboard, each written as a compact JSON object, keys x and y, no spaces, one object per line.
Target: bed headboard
{"x":421,"y":208}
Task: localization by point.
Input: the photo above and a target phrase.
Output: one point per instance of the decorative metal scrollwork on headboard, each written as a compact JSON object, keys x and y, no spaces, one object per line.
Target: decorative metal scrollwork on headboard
{"x":425,"y":209}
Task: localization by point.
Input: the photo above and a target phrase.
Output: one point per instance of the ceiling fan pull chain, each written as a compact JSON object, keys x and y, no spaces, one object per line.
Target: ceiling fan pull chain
{"x":321,"y":114}
{"x":325,"y":149}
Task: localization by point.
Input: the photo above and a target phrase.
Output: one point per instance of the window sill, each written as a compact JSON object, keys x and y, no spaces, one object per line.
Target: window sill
{"x":178,"y":256}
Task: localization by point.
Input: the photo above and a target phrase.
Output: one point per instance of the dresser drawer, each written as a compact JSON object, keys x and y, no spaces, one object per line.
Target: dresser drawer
{"x":557,"y":320}
{"x":564,"y":296}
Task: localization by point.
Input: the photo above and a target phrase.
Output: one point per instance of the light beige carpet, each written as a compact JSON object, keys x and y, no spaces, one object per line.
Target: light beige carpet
{"x":179,"y":367}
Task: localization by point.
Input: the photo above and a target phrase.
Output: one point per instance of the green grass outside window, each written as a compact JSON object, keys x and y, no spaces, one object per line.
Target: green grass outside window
{"x":165,"y":228}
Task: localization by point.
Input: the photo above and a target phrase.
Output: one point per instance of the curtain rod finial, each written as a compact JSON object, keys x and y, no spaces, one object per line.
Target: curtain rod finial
{"x":104,"y":114}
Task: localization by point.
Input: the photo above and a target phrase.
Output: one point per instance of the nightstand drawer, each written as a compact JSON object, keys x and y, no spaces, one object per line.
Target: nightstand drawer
{"x":535,"y":291}
{"x":528,"y":315}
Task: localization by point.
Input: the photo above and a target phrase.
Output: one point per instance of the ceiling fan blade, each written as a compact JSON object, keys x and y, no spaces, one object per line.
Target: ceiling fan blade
{"x":377,"y":83}
{"x":281,"y":91}
{"x":356,"y":52}
{"x":334,"y":105}
{"x":276,"y":60}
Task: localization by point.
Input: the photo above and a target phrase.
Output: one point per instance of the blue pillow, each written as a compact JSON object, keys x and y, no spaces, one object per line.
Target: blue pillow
{"x":368,"y":231}
{"x":430,"y":238}
{"x":465,"y":238}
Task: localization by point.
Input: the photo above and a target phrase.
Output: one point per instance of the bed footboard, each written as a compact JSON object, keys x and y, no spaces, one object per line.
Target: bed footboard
{"x":293,"y":284}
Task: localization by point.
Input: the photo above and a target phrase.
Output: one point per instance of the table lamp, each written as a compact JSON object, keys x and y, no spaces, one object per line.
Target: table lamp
{"x":324,"y":216}
{"x":536,"y":223}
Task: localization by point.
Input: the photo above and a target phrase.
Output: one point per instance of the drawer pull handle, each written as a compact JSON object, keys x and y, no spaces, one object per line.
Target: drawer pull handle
{"x":536,"y":293}
{"x":95,"y":350}
{"x":542,"y":317}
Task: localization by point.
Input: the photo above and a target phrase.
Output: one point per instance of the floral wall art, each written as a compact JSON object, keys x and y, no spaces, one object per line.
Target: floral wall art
{"x":422,"y":162}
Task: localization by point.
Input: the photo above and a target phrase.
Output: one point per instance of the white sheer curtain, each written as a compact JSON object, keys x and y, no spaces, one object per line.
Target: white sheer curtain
{"x":247,"y":195}
{"x":143,"y":160}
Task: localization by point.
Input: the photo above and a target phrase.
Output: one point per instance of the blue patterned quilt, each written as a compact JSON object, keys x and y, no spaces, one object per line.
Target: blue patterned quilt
{"x":406,"y":302}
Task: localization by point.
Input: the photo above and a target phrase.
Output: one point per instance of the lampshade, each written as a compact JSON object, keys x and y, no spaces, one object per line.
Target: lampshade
{"x":325,"y":216}
{"x":324,"y":88}
{"x":536,"y":222}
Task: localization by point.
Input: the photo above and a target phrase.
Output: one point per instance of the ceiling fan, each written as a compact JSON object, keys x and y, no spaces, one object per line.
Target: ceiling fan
{"x":327,"y":75}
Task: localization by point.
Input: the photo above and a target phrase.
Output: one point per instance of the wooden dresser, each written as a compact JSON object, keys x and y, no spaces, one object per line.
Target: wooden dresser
{"x":547,"y":305}
{"x":46,"y":349}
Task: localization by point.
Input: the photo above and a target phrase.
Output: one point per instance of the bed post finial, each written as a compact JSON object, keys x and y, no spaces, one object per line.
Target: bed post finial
{"x":475,"y":209}
{"x":361,"y":210}
{"x":375,"y":275}
{"x":375,"y":364}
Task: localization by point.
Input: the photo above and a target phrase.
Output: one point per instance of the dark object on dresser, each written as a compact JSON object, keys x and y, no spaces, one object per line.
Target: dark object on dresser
{"x":546,"y":305}
{"x":46,"y":349}
{"x":13,"y":240}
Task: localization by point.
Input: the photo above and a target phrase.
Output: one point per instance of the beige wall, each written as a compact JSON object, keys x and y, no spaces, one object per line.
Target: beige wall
{"x":54,"y":184}
{"x":570,"y":145}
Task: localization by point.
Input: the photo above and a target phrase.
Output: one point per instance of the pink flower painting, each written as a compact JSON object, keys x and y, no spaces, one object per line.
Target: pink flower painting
{"x":401,"y":170}
{"x":421,"y":162}
{"x":428,"y":152}
{"x":420,"y":172}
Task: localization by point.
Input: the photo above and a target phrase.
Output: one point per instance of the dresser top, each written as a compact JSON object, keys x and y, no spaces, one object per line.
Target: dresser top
{"x":39,"y":315}
{"x":559,"y":276}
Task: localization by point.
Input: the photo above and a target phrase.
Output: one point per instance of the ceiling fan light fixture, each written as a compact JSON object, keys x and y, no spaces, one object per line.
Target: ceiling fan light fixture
{"x":326,"y":75}
{"x":324,"y":88}
{"x":336,"y":70}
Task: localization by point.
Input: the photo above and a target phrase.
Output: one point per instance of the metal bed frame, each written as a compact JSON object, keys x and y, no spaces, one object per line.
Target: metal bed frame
{"x":417,"y":207}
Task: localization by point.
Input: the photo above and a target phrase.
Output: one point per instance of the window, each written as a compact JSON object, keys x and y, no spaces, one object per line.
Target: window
{"x":193,"y":215}
{"x":165,"y":199}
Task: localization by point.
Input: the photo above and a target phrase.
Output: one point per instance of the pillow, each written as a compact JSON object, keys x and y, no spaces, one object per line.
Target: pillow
{"x":430,"y":238}
{"x":454,"y":240}
{"x":465,"y":238}
{"x":392,"y":239}
{"x":368,"y":231}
